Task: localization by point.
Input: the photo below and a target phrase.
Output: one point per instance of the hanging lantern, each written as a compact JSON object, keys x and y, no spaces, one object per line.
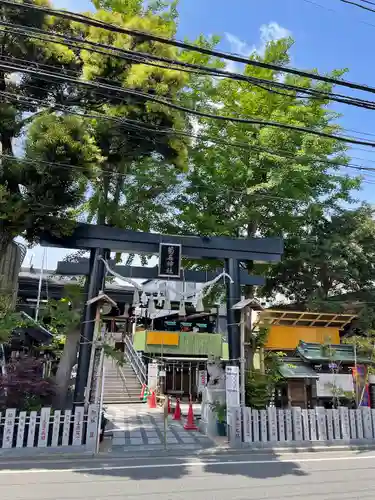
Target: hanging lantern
{"x":144,"y":298}
{"x":182,"y":309}
{"x":199,"y":305}
{"x":126,"y":311}
{"x":167,"y":300}
{"x":194,"y":301}
{"x":136,"y":297}
{"x":160,"y":299}
{"x":151,"y":306}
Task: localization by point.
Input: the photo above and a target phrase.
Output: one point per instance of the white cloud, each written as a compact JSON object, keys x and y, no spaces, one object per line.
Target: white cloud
{"x":268,"y":33}
{"x":271,"y":32}
{"x":238,"y":46}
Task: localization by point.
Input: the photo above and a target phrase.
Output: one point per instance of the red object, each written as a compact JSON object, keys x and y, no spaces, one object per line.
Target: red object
{"x":142,"y":391}
{"x":169,"y":405}
{"x":190,"y":424}
{"x":177,"y":411}
{"x":152,"y":400}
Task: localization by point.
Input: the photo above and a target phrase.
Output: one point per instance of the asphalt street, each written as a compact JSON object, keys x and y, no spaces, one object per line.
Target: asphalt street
{"x":310,"y":476}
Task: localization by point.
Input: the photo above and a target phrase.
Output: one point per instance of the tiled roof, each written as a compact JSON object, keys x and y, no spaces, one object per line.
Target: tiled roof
{"x":296,"y":368}
{"x":310,"y":351}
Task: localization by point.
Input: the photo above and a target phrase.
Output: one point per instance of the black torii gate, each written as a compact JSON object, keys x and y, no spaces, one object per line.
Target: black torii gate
{"x":101,"y":240}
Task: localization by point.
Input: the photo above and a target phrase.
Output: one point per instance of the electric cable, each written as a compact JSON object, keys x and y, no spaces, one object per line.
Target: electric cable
{"x":144,"y":58}
{"x":358,"y":5}
{"x":90,"y":21}
{"x":63,"y":107}
{"x":130,"y":92}
{"x":334,"y":11}
{"x":158,"y":130}
{"x":105,"y":173}
{"x":114,"y":97}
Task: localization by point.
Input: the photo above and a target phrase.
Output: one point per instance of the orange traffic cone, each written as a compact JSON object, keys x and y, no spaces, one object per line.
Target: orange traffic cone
{"x":190,"y":424}
{"x":177,"y":411}
{"x":142,"y":391}
{"x":169,"y":405}
{"x":152,"y":400}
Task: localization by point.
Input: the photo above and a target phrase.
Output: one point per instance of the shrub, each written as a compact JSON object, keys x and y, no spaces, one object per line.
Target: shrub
{"x":23,"y":386}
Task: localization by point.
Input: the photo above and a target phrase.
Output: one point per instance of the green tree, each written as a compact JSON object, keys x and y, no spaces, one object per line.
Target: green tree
{"x":132,"y":169}
{"x":332,"y":257}
{"x":8,"y":318}
{"x":62,"y":318}
{"x":329,"y":266}
{"x":35,"y":193}
{"x":142,"y":164}
{"x":270,"y":181}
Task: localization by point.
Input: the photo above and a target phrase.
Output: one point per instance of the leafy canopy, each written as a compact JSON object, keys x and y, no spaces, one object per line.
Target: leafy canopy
{"x":332,"y":256}
{"x":270,"y":181}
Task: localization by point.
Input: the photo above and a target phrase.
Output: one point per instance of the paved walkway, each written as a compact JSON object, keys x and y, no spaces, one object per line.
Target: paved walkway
{"x":136,"y":425}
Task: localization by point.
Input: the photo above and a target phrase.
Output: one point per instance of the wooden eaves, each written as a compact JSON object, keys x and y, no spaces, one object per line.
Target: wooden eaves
{"x":306,"y":319}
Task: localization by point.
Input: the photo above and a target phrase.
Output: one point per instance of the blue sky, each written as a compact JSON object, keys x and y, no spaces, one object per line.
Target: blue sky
{"x":328,"y":35}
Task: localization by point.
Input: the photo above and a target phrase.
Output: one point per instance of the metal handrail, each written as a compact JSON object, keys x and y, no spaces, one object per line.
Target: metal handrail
{"x":135,"y":361}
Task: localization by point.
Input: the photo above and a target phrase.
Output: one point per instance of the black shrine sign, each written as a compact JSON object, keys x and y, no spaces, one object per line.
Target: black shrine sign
{"x":170,"y":260}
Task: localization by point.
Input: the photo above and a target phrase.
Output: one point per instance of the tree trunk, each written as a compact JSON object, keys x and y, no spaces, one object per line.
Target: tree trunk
{"x":10,"y":264}
{"x":103,"y":207}
{"x":67,"y":361}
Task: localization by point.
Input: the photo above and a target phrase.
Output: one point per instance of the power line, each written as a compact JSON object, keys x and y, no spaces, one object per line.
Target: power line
{"x":77,"y":74}
{"x":105,"y":173}
{"x":359,"y":5}
{"x":136,"y":124}
{"x":283,"y":154}
{"x":334,"y":11}
{"x":202,"y":114}
{"x":80,"y":18}
{"x":144,"y":58}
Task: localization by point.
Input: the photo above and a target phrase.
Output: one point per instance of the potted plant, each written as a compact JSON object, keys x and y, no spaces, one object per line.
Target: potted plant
{"x":371,"y":375}
{"x":221,"y":417}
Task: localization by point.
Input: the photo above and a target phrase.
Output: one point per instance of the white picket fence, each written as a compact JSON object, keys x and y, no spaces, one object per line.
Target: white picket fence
{"x":276,"y":426}
{"x":47,"y":429}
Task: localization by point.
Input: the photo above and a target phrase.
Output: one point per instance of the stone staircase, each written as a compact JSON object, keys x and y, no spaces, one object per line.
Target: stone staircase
{"x":121,"y":384}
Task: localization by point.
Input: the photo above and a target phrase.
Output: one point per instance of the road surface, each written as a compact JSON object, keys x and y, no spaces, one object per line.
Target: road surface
{"x":307,"y":476}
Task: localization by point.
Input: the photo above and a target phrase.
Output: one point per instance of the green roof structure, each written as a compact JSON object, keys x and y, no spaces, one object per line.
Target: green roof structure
{"x":316,"y":353}
{"x":296,"y":368}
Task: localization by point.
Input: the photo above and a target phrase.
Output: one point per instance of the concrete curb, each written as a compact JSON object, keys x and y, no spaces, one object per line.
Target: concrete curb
{"x":15,"y":455}
{"x":151,"y":452}
{"x":308,"y":446}
{"x":227,"y":450}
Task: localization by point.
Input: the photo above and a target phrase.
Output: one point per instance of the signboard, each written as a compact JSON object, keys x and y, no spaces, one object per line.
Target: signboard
{"x":232,"y":385}
{"x":152,"y":376}
{"x":235,"y":432}
{"x":329,"y":384}
{"x":202,"y":380}
{"x":170,"y":260}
